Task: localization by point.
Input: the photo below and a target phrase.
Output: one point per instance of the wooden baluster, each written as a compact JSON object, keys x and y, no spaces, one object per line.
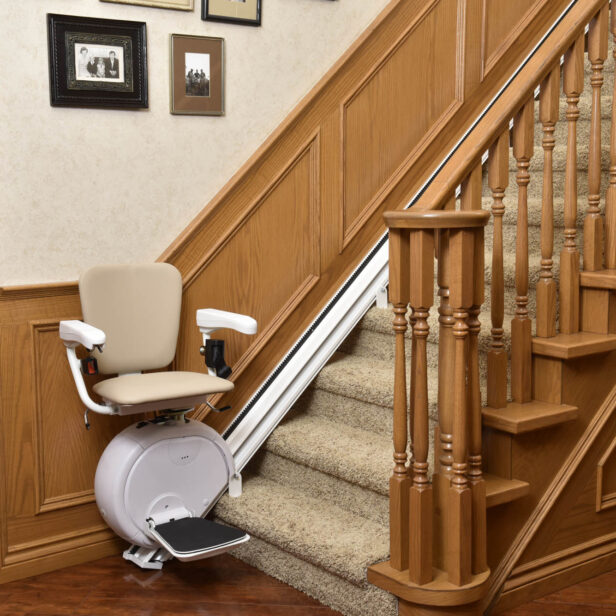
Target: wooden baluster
{"x":610,"y":198}
{"x":471,"y":200}
{"x":443,"y":457}
{"x":498,"y":179}
{"x":573,"y":84}
{"x":461,"y":253}
{"x":546,"y":288}
{"x":593,"y":223}
{"x":523,"y":131}
{"x":421,"y":502}
{"x":399,"y":265}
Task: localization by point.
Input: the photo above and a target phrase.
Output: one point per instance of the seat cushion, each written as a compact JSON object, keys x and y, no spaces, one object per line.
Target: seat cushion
{"x":142,"y":388}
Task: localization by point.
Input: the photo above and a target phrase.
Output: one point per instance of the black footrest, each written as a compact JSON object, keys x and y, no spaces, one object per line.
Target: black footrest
{"x":194,"y":538}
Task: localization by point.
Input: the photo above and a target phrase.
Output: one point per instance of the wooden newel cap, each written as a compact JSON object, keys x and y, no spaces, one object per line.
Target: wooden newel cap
{"x":436,"y":219}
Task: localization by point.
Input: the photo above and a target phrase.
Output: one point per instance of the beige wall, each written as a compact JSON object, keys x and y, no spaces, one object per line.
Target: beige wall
{"x":87,"y":186}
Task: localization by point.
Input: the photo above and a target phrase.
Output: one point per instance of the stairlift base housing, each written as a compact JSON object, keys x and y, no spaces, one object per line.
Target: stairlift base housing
{"x":154,"y":473}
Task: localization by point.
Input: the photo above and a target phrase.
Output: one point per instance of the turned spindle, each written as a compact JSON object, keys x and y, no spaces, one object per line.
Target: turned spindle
{"x":399,"y":483}
{"x":610,"y":197}
{"x":593,"y":223}
{"x":420,"y":498}
{"x":573,"y":84}
{"x":498,"y":179}
{"x":523,"y":134}
{"x":546,"y":288}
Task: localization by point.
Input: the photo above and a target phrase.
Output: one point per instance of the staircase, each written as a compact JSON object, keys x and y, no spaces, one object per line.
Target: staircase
{"x":316,"y":497}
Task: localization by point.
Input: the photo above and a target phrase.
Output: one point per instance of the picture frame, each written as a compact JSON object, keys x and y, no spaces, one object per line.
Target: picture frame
{"x":97,"y":62}
{"x":197,"y":75}
{"x":179,"y":5}
{"x":245,"y":12}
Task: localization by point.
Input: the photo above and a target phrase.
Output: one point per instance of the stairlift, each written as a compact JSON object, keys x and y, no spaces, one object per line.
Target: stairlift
{"x":158,"y":478}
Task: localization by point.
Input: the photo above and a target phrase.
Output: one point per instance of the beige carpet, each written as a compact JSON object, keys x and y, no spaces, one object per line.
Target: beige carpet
{"x":315,"y":496}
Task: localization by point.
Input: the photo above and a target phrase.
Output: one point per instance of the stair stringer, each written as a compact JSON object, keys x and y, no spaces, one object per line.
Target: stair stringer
{"x":515,"y":581}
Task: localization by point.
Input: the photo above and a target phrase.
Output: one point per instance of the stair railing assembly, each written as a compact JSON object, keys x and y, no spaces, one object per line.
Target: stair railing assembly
{"x":438,"y":526}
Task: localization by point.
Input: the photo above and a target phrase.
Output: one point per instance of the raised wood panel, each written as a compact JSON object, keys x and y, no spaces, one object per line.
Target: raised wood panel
{"x":606,"y":479}
{"x":64,"y":476}
{"x":264,"y":268}
{"x":48,"y":459}
{"x":398,"y":108}
{"x":502,"y":21}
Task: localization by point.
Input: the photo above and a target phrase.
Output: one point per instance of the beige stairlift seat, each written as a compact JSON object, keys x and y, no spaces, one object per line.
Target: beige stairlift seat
{"x":138,"y":309}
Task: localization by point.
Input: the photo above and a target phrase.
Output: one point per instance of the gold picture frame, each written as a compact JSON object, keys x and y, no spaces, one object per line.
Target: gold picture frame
{"x":179,"y":5}
{"x":197,"y":75}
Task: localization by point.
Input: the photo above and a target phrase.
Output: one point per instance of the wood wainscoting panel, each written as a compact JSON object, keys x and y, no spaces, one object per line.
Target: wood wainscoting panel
{"x":397,"y":108}
{"x":47,"y":457}
{"x":264,"y":269}
{"x":502,"y":21}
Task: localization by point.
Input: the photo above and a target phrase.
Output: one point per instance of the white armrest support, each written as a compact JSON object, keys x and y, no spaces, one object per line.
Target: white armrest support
{"x":210,"y":319}
{"x":74,"y":333}
{"x":75,"y":365}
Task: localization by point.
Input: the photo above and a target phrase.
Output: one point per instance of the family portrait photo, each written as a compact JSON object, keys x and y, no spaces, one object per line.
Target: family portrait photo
{"x":99,"y":62}
{"x":197,"y":71}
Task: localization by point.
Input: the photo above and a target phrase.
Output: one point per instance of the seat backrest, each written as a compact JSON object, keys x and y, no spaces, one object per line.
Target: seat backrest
{"x":138,"y":308}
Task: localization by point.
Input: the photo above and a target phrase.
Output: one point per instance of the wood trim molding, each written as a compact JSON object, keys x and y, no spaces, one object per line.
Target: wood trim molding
{"x":310,"y":147}
{"x":488,"y":63}
{"x":35,"y":291}
{"x":604,"y":501}
{"x":550,"y":497}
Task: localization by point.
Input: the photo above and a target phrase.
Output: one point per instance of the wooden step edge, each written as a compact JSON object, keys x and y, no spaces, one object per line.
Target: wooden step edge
{"x":518,"y":418}
{"x":438,"y":592}
{"x":602,"y":279}
{"x":500,"y":490}
{"x":571,"y":346}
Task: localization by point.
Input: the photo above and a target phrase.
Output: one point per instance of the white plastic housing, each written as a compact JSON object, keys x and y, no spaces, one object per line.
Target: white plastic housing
{"x":210,"y":319}
{"x":160,"y":471}
{"x":74,"y":333}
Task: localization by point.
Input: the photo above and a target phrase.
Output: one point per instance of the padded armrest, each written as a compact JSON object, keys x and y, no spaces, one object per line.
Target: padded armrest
{"x":74,"y":333}
{"x":210,"y":319}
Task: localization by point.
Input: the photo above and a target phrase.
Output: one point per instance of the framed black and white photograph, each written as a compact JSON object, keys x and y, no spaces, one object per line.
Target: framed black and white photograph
{"x":97,"y":62}
{"x":197,"y":75}
{"x":246,"y":12}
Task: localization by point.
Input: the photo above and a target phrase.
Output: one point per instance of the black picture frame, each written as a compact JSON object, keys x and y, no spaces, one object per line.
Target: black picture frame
{"x":118,"y":81}
{"x":208,"y":15}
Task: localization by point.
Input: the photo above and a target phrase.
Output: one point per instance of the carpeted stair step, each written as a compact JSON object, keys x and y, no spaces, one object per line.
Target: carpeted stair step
{"x":320,"y":584}
{"x":353,"y":455}
{"x":312,"y":529}
{"x":350,"y":496}
{"x":334,"y":407}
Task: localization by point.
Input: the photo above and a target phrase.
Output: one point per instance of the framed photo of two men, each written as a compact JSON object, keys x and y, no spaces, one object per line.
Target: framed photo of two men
{"x":97,"y":62}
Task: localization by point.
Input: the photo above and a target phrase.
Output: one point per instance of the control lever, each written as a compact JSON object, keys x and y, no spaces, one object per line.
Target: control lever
{"x":214,"y":352}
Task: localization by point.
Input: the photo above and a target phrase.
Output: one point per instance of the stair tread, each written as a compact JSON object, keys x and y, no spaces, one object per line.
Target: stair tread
{"x":312,"y":529}
{"x":351,"y":454}
{"x":602,"y":279}
{"x":518,"y":418}
{"x":570,"y":346}
{"x":500,"y":490}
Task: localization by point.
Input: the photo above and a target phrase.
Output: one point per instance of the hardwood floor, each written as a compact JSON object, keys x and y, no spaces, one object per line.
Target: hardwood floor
{"x":220,"y":586}
{"x":594,"y":597}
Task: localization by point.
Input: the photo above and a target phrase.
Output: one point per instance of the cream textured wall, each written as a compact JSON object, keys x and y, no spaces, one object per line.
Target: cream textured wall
{"x":87,"y":186}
